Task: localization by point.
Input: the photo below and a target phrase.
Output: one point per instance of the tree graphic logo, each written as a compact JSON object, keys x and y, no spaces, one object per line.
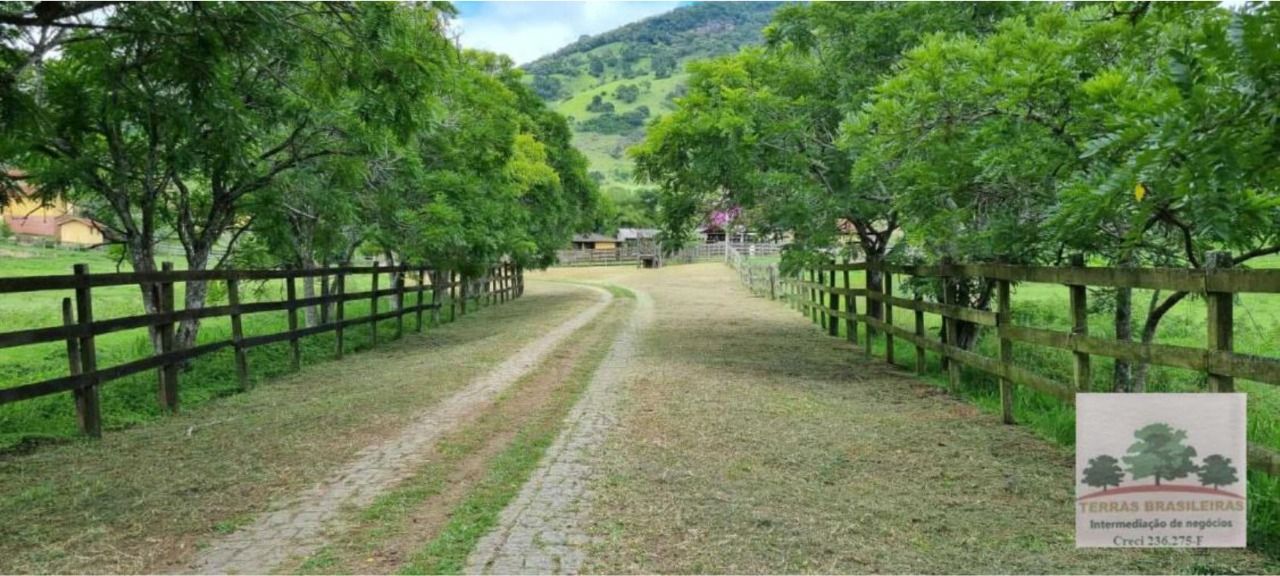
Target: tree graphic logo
{"x":1162,"y":454}
{"x":1217,"y":471}
{"x":1102,"y":472}
{"x":1161,"y":470}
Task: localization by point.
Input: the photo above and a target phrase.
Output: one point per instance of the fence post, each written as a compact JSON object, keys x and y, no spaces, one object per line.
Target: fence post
{"x":815,"y":315}
{"x":950,"y":298}
{"x":88,"y":409}
{"x":1080,"y":326}
{"x":237,"y":329}
{"x":339,"y":309}
{"x":422,"y":273}
{"x":167,"y":393}
{"x":886,"y":285}
{"x":436,"y":296}
{"x":373,"y":308}
{"x":919,"y":334}
{"x":850,"y":326}
{"x":490,"y":293}
{"x":866,"y":299}
{"x":453,"y":295}
{"x":465,"y":288}
{"x":1004,"y":318}
{"x":324,"y":296}
{"x":832,"y":302}
{"x":291,"y":297}
{"x":1220,"y":310}
{"x":773,"y":282}
{"x":399,"y":285}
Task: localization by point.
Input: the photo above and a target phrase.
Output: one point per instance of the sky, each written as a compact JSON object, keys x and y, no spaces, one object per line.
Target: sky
{"x":526,"y":30}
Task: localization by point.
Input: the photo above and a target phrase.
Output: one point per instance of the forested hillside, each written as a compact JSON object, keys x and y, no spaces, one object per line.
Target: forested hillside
{"x":610,"y":85}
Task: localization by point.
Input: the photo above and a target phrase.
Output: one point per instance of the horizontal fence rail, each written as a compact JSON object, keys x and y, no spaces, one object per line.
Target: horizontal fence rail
{"x":815,"y":293}
{"x":629,"y":255}
{"x":449,"y":291}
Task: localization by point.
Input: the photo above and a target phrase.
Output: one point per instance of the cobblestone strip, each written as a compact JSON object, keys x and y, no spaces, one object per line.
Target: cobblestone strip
{"x":296,"y":528}
{"x":544,"y":529}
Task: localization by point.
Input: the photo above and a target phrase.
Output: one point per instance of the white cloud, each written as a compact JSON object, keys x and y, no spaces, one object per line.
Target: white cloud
{"x":526,"y":30}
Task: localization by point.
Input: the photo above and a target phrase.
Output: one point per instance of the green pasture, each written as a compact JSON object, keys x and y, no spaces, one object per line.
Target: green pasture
{"x":132,"y":400}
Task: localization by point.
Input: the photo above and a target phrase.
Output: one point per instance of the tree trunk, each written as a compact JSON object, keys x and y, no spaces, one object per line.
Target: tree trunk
{"x":1122,"y":374}
{"x":309,"y":313}
{"x":1155,"y":314}
{"x":142,"y":257}
{"x":875,"y":283}
{"x":196,"y":293}
{"x":967,"y":332}
{"x":395,"y":276}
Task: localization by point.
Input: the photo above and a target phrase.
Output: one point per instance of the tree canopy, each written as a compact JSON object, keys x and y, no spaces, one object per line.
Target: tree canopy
{"x":308,"y":130}
{"x":1132,"y":133}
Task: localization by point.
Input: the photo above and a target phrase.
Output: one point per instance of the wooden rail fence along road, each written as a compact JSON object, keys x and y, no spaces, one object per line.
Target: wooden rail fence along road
{"x":815,"y":293}
{"x":449,"y":292}
{"x":627,"y":255}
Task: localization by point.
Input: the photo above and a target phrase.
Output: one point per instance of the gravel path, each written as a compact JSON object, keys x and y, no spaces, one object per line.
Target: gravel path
{"x":544,"y":529}
{"x":296,"y":527}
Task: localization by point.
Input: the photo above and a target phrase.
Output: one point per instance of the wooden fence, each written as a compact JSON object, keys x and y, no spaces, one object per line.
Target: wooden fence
{"x":449,"y":292}
{"x":621,"y":256}
{"x":626,"y":255}
{"x":760,"y":279}
{"x":815,"y":293}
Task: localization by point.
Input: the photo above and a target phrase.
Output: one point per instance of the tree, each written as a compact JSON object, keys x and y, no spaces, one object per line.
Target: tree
{"x":499,"y":177}
{"x":599,"y":105}
{"x":1102,"y":472}
{"x":1200,"y":140}
{"x":1217,"y":471}
{"x":627,"y":93}
{"x":547,"y":87}
{"x":973,"y":135}
{"x":663,"y":65}
{"x":596,"y":67}
{"x":173,"y":118}
{"x":761,"y":130}
{"x":1160,"y":453}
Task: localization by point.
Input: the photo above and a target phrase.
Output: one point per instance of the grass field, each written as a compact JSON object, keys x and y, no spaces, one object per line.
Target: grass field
{"x":1257,"y":331}
{"x":132,"y":400}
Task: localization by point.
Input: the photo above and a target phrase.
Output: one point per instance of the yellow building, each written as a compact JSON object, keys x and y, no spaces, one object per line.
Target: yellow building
{"x":56,"y":219}
{"x":594,"y":241}
{"x":77,"y":230}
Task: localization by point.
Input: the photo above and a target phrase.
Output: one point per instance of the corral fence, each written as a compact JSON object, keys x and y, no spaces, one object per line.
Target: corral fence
{"x":621,"y":256}
{"x":815,"y":293}
{"x":762,"y":279}
{"x":632,"y":255}
{"x":449,"y":291}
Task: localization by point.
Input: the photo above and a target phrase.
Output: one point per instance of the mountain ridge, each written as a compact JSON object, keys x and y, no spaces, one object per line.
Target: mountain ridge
{"x":609,"y":85}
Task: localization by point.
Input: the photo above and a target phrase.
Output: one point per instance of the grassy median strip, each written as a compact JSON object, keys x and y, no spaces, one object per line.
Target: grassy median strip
{"x":432,"y":521}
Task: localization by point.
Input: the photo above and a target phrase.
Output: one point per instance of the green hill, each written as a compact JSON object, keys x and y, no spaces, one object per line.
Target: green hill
{"x":611,"y":84}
